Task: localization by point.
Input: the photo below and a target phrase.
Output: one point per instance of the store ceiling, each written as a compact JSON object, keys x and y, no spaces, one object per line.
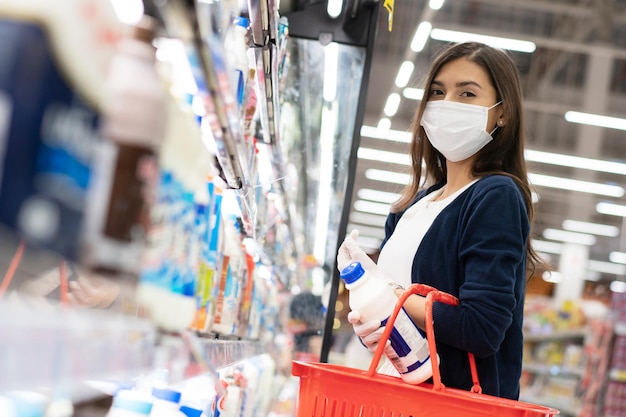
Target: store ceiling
{"x":579,"y":64}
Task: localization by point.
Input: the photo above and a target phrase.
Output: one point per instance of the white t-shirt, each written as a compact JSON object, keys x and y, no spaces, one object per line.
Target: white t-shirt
{"x":396,"y":257}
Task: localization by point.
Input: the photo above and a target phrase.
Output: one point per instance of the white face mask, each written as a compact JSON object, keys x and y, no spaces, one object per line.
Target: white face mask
{"x":457,"y":130}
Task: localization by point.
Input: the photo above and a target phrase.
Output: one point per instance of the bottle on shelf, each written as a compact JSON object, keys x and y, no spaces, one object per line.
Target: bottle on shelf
{"x":134,"y":124}
{"x":375,"y":299}
{"x":166,"y":403}
{"x":128,"y":403}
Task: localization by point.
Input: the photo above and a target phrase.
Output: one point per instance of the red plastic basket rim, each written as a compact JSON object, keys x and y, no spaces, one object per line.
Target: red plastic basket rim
{"x":353,"y":376}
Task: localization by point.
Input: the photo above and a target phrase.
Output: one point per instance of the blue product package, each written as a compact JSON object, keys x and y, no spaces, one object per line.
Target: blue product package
{"x":50,"y":140}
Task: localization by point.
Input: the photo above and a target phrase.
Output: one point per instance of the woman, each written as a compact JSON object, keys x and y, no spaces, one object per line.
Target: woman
{"x":465,"y":229}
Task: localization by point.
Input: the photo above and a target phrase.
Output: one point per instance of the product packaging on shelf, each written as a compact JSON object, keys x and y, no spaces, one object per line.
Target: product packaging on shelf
{"x":125,"y":176}
{"x":55,"y":60}
{"x":172,"y":261}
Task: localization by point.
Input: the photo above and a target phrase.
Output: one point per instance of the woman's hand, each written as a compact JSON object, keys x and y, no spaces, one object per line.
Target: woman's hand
{"x":350,"y":251}
{"x":369,"y":332}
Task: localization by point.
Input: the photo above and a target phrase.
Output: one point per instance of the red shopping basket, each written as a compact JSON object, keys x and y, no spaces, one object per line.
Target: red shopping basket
{"x":328,"y":390}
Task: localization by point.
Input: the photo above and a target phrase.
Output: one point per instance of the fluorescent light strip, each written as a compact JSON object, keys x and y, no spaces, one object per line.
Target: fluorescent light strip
{"x":436,"y":4}
{"x":618,"y":286}
{"x":575,"y":162}
{"x":387,"y":176}
{"x":376,"y":195}
{"x":334,"y":7}
{"x":370,"y":219}
{"x":392,"y":104}
{"x":384,"y":156}
{"x":576,"y":185}
{"x":606,"y":267}
{"x":393,"y":135}
{"x":611,"y":209}
{"x":370,"y":207}
{"x":368,"y":231}
{"x":413,"y":93}
{"x":590,"y":228}
{"x":496,"y":42}
{"x":617,"y":257}
{"x":548,"y":247}
{"x":569,"y":237}
{"x":331,"y":62}
{"x":404,"y":74}
{"x":596,"y":120}
{"x":421,"y":36}
{"x":384,"y":124}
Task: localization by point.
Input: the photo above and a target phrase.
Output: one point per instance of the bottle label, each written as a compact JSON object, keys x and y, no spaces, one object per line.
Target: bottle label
{"x":409,"y":347}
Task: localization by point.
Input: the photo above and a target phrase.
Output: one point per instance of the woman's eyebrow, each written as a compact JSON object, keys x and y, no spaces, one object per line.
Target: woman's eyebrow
{"x":459,"y":84}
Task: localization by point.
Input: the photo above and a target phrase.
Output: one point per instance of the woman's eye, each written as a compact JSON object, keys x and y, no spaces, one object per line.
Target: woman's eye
{"x":436,"y":92}
{"x":468,"y":94}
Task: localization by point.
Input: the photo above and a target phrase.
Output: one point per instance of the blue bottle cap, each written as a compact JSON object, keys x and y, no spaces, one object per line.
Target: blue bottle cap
{"x":190,"y":412}
{"x":242,"y":21}
{"x":352,"y":273}
{"x":166,"y":394}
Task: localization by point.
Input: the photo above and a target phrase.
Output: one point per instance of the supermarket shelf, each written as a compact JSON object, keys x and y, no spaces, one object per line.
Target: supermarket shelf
{"x":617,"y":375}
{"x":554,"y":370}
{"x":62,"y":348}
{"x":556,"y":335}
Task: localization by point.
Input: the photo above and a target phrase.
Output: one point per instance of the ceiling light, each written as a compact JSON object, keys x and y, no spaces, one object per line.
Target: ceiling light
{"x":618,"y":286}
{"x":575,"y":162}
{"x":129,"y":12}
{"x":552,"y":276}
{"x":384,"y":124}
{"x":404,"y":74}
{"x":331,"y":59}
{"x":617,"y":257}
{"x":436,"y":4}
{"x":421,"y":36}
{"x":606,"y":267}
{"x":393,"y":102}
{"x":548,"y":247}
{"x":596,"y":120}
{"x":387,"y":176}
{"x":569,"y":237}
{"x":376,"y":195}
{"x":496,"y":42}
{"x":535,"y":197}
{"x":394,"y":135}
{"x":611,"y":209}
{"x":334,"y":7}
{"x":371,"y":219}
{"x":413,"y":93}
{"x":371,"y":207}
{"x":576,"y":185}
{"x":384,"y":156}
{"x":368,"y":230}
{"x":591,"y":228}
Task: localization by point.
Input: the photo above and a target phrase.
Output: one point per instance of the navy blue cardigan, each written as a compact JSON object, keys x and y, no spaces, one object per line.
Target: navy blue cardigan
{"x":475,"y":250}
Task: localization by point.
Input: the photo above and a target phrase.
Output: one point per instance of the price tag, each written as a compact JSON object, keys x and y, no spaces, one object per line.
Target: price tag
{"x":388,"y":4}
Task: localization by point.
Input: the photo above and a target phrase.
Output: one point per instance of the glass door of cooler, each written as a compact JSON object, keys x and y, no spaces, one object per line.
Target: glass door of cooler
{"x":323,"y":100}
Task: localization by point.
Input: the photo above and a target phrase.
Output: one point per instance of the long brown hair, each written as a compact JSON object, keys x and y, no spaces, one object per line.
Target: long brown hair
{"x":504,"y":155}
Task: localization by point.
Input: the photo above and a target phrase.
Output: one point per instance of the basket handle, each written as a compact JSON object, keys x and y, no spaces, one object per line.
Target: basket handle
{"x":432,"y":295}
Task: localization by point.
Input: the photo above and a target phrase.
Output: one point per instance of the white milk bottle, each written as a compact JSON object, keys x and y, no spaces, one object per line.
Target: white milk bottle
{"x":375,"y":299}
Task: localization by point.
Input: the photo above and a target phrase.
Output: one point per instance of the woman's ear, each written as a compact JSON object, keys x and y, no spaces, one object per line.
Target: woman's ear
{"x":501,"y":122}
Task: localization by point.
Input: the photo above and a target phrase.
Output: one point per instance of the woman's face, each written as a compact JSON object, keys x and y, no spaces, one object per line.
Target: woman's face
{"x":466,"y":82}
